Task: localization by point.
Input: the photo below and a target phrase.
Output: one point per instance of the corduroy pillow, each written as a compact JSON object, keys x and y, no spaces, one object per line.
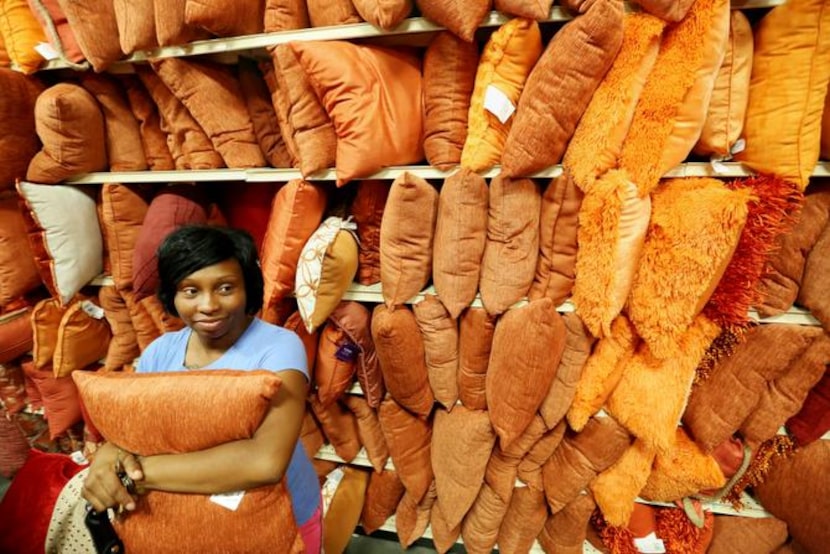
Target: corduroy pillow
{"x":475,"y":340}
{"x":408,"y":438}
{"x":524,"y":520}
{"x":512,"y":242}
{"x":334,"y":366}
{"x":21,"y":33}
{"x":369,"y":431}
{"x":542,"y":127}
{"x":382,"y":497}
{"x":83,"y":338}
{"x":383,"y":13}
{"x":367,"y":210}
{"x":449,"y":77}
{"x":480,"y":528}
{"x":263,"y":117}
{"x":18,"y":139}
{"x":136,"y":23}
{"x":171,"y":28}
{"x":440,"y":334}
{"x":506,"y":62}
{"x":764,"y":534}
{"x":283,"y":15}
{"x":153,"y":139}
{"x":461,"y":17}
{"x":123,"y":348}
{"x":325,"y":13}
{"x":566,"y":530}
{"x":460,"y":237}
{"x":189,"y":416}
{"x":443,"y":536}
{"x":18,"y":272}
{"x":406,"y":238}
{"x":226,"y":18}
{"x":354,"y":319}
{"x":70,"y":125}
{"x":96,"y":29}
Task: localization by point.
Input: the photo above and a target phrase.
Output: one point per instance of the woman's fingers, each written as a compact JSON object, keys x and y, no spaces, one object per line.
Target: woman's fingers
{"x":132,"y":466}
{"x":103,"y":489}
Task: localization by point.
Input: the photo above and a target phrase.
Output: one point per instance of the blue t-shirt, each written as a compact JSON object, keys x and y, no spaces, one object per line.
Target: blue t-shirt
{"x":261,"y":346}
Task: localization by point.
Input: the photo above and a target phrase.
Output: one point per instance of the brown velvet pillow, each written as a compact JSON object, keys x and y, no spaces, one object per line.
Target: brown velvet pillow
{"x":283,"y":15}
{"x":354,"y":319}
{"x":125,"y":151}
{"x":449,"y":77}
{"x":96,"y":29}
{"x":383,"y":13}
{"x":136,"y":24}
{"x":369,"y":431}
{"x":325,"y":13}
{"x":18,"y":272}
{"x":201,"y":86}
{"x":382,"y":497}
{"x":512,"y":242}
{"x":71,"y":127}
{"x":406,"y":237}
{"x":521,"y":371}
{"x":123,"y":208}
{"x":123,"y":348}
{"x":18,"y":139}
{"x":339,"y":425}
{"x":263,"y":117}
{"x":440,"y":334}
{"x":460,"y":237}
{"x":461,"y":17}
{"x":475,"y":341}
{"x":170,"y":23}
{"x":408,"y":438}
{"x":400,"y":351}
{"x":226,"y":18}
{"x":367,"y":210}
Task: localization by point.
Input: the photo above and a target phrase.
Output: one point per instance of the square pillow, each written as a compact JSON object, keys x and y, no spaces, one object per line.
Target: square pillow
{"x":377,"y":112}
{"x":284,"y":15}
{"x":461,"y":17}
{"x":136,"y":25}
{"x":70,"y":125}
{"x":59,"y":396}
{"x":21,"y":33}
{"x":325,"y":13}
{"x":18,"y":272}
{"x":16,"y":335}
{"x":248,"y":206}
{"x":171,"y":28}
{"x":225,"y":18}
{"x":61,"y":36}
{"x":96,"y":29}
{"x":367,"y":209}
{"x":64,"y":235}
{"x":616,"y":489}
{"x":383,"y":13}
{"x":83,"y":338}
{"x":440,"y":334}
{"x":18,"y":139}
{"x":188,"y":415}
{"x":153,"y":139}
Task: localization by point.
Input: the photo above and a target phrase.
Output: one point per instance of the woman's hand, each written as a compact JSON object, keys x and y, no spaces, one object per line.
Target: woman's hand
{"x":103,"y":487}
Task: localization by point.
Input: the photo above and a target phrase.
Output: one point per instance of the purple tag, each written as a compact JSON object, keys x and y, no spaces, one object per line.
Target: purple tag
{"x":347,"y":352}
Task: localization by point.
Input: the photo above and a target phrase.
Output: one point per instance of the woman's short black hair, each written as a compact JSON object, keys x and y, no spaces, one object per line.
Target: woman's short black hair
{"x":193,"y":247}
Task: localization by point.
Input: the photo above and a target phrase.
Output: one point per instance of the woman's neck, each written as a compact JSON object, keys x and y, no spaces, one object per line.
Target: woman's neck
{"x":203,"y":351}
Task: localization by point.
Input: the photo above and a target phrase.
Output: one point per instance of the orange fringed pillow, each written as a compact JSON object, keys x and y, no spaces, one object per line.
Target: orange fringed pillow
{"x":790,"y":74}
{"x":461,"y":17}
{"x":507,"y":60}
{"x":694,"y":230}
{"x":560,"y":87}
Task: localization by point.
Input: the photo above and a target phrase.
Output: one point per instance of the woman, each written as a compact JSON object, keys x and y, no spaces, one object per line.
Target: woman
{"x":210,"y":278}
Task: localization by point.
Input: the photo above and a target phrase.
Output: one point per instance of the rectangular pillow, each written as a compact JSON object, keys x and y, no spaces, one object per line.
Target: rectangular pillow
{"x":96,"y":29}
{"x":171,"y":28}
{"x":83,"y":338}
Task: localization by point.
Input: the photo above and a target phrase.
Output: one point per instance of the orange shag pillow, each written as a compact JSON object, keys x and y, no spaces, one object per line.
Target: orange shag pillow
{"x":461,"y":17}
{"x":440,"y":334}
{"x":475,"y":340}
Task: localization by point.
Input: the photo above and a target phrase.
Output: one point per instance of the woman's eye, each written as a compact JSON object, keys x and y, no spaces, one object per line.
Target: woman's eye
{"x":226,"y":289}
{"x":189,"y":292}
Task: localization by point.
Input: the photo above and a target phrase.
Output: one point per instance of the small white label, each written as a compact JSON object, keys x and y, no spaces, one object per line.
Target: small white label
{"x":330,"y":487}
{"x":92,"y":310}
{"x":650,"y":544}
{"x":497,"y":103}
{"x":738,"y":147}
{"x":46,"y":51}
{"x":229,"y":500}
{"x":79,"y":458}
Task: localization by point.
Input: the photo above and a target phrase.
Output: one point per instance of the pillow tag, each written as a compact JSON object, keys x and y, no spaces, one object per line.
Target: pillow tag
{"x":47,"y":51}
{"x":229,"y":500}
{"x":92,"y":310}
{"x":347,"y":352}
{"x":497,"y":103}
{"x":650,"y":544}
{"x":330,"y":487}
{"x":738,"y":147}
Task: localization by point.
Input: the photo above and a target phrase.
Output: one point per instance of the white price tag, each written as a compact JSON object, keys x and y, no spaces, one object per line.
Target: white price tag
{"x":497,"y":103}
{"x":46,"y":51}
{"x":92,"y":310}
{"x":330,"y":487}
{"x":229,"y":500}
{"x":738,"y":147}
{"x":650,"y":544}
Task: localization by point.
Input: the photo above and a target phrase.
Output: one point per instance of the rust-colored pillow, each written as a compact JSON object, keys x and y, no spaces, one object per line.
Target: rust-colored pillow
{"x":339,"y":425}
{"x":123,"y":348}
{"x":520,"y":371}
{"x":814,"y":284}
{"x":334,"y":368}
{"x":171,"y":28}
{"x":18,"y":272}
{"x":412,"y":517}
{"x":226,"y":18}
{"x":524,"y":520}
{"x":61,"y":36}
{"x":153,"y":139}
{"x":367,"y":210}
{"x":481,"y":526}
{"x":18,"y":138}
{"x":16,"y":336}
{"x":382,"y":497}
{"x":354,"y":319}
{"x":325,"y":13}
{"x":533,"y":9}
{"x":96,"y":29}
{"x":83,"y":338}
{"x":506,"y":62}
{"x":443,"y":537}
{"x":46,"y":318}
{"x":383,"y":13}
{"x":312,"y":437}
{"x":462,"y":441}
{"x":449,"y":77}
{"x":263,"y":117}
{"x":475,"y":340}
{"x":565,"y":531}
{"x":201,"y":86}
{"x":123,"y":208}
{"x":558,"y":220}
{"x":310,"y":340}
{"x":136,"y":23}
{"x":406,"y":238}
{"x":71,"y":127}
{"x":354,"y":85}
{"x":408,"y":438}
{"x":282,"y":106}
{"x":59,"y":396}
{"x":400,"y":350}
{"x":668,"y":10}
{"x":283,"y":15}
{"x":4,"y":55}
{"x":461,"y":17}
{"x":369,"y":431}
{"x":825,"y":129}
{"x":528,"y":470}
{"x":460,"y":237}
{"x":813,"y":420}
{"x":295,"y":214}
{"x":181,"y":404}
{"x":440,"y":334}
{"x":125,"y":151}
{"x":749,"y":534}
{"x":573,"y":64}
{"x":790,"y":74}
{"x":512,"y":242}
{"x":21,"y":33}
{"x":344,"y":508}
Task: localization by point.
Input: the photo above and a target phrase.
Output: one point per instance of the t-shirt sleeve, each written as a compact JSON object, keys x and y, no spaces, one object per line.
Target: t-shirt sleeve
{"x":286,"y":354}
{"x":150,"y":360}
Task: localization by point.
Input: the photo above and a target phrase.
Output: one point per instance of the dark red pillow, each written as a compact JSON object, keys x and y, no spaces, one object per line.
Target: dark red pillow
{"x":813,"y":420}
{"x":60,"y":399}
{"x":248,"y":207}
{"x":15,"y":334}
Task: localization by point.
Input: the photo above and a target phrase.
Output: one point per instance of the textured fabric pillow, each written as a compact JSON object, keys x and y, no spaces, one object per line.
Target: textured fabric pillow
{"x":555,"y":267}
{"x":200,"y":86}
{"x":524,"y":520}
{"x":460,"y":237}
{"x":96,"y":29}
{"x":153,"y":139}
{"x":412,"y":517}
{"x":400,"y":350}
{"x":566,"y":530}
{"x":282,"y":106}
{"x":18,"y":139}
{"x":521,"y":372}
{"x":475,"y":341}
{"x":248,"y":206}
{"x":334,"y":367}
{"x":506,"y":62}
{"x":226,"y":18}
{"x":443,"y":536}
{"x":449,"y":77}
{"x":125,"y":151}
{"x":694,"y":229}
{"x":535,"y":9}
{"x":339,"y":426}
{"x":369,"y":431}
{"x":383,"y":13}
{"x":541,"y":129}
{"x":16,"y":336}
{"x":408,"y":438}
{"x":440,"y":334}
{"x":4,"y":55}
{"x":21,"y":33}
{"x":71,"y":127}
{"x":814,"y":284}
{"x":671,"y":11}
{"x":383,"y":81}
{"x":367,"y":210}
{"x":15,"y":448}
{"x":327,"y":266}
{"x":296,"y":212}
{"x":283,"y":15}
{"x":60,"y":399}
{"x":263,"y":117}
{"x":123,"y":348}
{"x":813,"y":419}
{"x":353,"y":318}
{"x":170,"y":23}
{"x":512,"y":242}
{"x":310,"y":341}
{"x":481,"y":526}
{"x":18,"y":272}
{"x":325,"y":13}
{"x":344,"y":509}
{"x":57,"y":30}
{"x":616,"y":489}
{"x":64,"y":234}
{"x":189,"y":416}
{"x":123,"y":208}
{"x":764,"y":534}
{"x":136,"y":25}
{"x":825,"y":130}
{"x":382,"y":497}
{"x":790,"y":74}
{"x":46,"y":319}
{"x":461,"y":17}
{"x":406,"y":238}
{"x":83,"y":338}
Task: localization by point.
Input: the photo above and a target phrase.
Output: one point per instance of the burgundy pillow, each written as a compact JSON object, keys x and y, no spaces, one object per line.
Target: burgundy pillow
{"x":248,"y":206}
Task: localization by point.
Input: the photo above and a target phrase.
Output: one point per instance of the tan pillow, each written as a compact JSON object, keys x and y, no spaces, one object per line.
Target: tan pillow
{"x":96,"y":29}
{"x":461,"y":17}
{"x":170,"y":23}
{"x":443,"y":536}
{"x":400,"y":350}
{"x":369,"y":431}
{"x":263,"y":117}
{"x":83,"y":338}
{"x":440,"y":334}
{"x":566,"y":530}
{"x":573,"y":64}
{"x":153,"y":139}
{"x":71,"y":127}
{"x":460,"y":237}
{"x":449,"y":77}
{"x":334,"y":366}
{"x":406,"y":238}
{"x":136,"y":23}
{"x":408,"y":438}
{"x":524,"y":520}
{"x":325,"y":13}
{"x":382,"y":497}
{"x":339,"y":425}
{"x":475,"y":340}
{"x":520,"y":371}
{"x":18,"y":138}
{"x":283,"y":15}
{"x":529,"y":469}
{"x":123,"y":348}
{"x":481,"y":526}
{"x":367,"y":210}
{"x":512,"y":242}
{"x":412,"y":517}
{"x":226,"y":18}
{"x":18,"y":272}
{"x":383,"y":13}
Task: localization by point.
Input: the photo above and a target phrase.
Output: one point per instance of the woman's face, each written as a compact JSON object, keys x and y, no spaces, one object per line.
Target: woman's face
{"x":211,"y":301}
